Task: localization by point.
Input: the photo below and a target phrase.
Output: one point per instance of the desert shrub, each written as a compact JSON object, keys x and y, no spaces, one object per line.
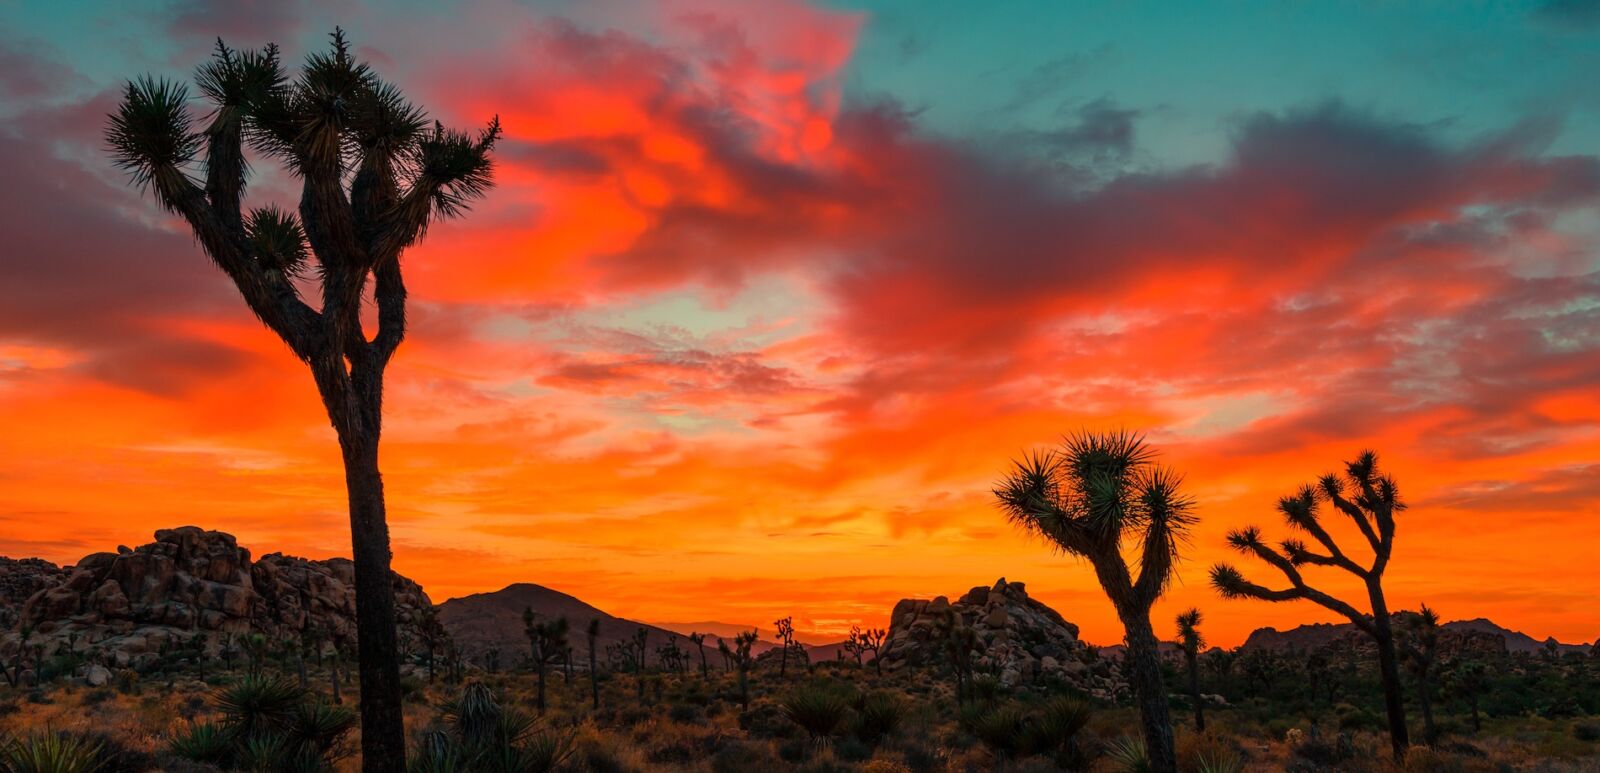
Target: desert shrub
{"x":817,"y":708}
{"x":1128,"y":754}
{"x":202,"y":742}
{"x":1360,"y":719}
{"x":9,"y":707}
{"x":741,"y":757}
{"x":480,"y":735}
{"x":51,"y":753}
{"x":922,"y":757}
{"x":597,"y":754}
{"x":1317,"y":749}
{"x":999,"y":729}
{"x":852,"y":749}
{"x":765,"y":720}
{"x":684,"y":713}
{"x":98,"y":696}
{"x":878,"y":714}
{"x":1586,"y":731}
{"x":1208,"y":752}
{"x":987,"y":688}
{"x":1056,"y":729}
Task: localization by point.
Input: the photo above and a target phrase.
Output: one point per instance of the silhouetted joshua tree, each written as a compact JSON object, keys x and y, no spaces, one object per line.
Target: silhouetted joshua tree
{"x":374,"y":174}
{"x":739,"y":654}
{"x":593,"y":635}
{"x":1369,"y":499}
{"x":1192,"y":642}
{"x":1468,"y":680}
{"x":785,"y":638}
{"x":1086,"y":498}
{"x":699,"y":642}
{"x":1419,"y":648}
{"x":547,"y":641}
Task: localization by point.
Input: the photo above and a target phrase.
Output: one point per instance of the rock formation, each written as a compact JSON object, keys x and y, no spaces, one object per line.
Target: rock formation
{"x":1019,"y":640}
{"x":125,"y":608}
{"x":20,"y":578}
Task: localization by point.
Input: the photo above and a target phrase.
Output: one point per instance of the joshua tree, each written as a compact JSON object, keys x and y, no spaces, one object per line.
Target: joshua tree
{"x":374,"y":175}
{"x":739,"y":654}
{"x":786,"y":638}
{"x":1370,"y":500}
{"x":547,"y":641}
{"x":959,"y":642}
{"x":1419,"y":647}
{"x":856,"y":645}
{"x":1086,"y":498}
{"x":1468,"y":680}
{"x":433,"y":637}
{"x":1191,"y":640}
{"x":699,"y":642}
{"x":593,"y":634}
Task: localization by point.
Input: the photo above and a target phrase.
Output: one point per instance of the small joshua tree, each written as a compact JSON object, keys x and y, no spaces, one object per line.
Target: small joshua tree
{"x":739,"y":653}
{"x":1192,"y":642}
{"x":547,"y":641}
{"x":856,"y":645}
{"x":1086,"y":498}
{"x":1419,"y":647}
{"x":592,"y":633}
{"x":960,"y":640}
{"x":699,"y":641}
{"x":374,"y":175}
{"x":1468,"y":680}
{"x":1370,"y":500}
{"x":786,"y":638}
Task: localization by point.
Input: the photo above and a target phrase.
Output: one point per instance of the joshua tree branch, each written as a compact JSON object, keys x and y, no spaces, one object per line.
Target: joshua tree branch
{"x":390,"y":292}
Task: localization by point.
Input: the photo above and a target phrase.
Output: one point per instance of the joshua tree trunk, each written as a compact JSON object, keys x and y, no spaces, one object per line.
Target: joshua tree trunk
{"x":1389,"y":666}
{"x":1194,"y":691}
{"x":377,"y":642}
{"x":542,"y":669}
{"x":1145,"y":659}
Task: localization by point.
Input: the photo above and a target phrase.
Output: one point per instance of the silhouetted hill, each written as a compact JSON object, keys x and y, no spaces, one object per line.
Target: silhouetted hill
{"x":1315,"y":636}
{"x":483,"y":621}
{"x":1516,"y":641}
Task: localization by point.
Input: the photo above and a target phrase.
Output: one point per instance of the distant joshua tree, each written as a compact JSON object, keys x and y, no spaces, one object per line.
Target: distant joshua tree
{"x":1370,"y":500}
{"x":1086,"y":498}
{"x":960,"y":640}
{"x":374,"y":175}
{"x":547,"y":641}
{"x":699,"y":642}
{"x":856,"y":646}
{"x":786,"y":638}
{"x":1468,"y":680}
{"x":1419,"y":648}
{"x":739,"y":655}
{"x":1192,"y":641}
{"x":592,"y":633}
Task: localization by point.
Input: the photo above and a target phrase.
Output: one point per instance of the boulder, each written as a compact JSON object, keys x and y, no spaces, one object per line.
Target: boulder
{"x":126,"y":608}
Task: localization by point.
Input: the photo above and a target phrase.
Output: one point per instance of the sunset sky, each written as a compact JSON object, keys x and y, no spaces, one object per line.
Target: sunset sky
{"x":768,"y":295}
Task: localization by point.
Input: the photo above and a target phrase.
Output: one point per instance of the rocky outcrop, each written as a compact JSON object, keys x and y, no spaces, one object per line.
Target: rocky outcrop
{"x":1019,"y":640}
{"x":127,"y":607}
{"x":20,"y":578}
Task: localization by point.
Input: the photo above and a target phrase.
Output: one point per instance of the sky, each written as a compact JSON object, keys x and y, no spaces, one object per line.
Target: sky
{"x":768,"y":295}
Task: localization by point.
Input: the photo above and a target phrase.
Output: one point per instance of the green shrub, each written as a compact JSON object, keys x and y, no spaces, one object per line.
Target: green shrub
{"x":877,"y":715}
{"x":51,"y":753}
{"x":202,"y":742}
{"x":817,"y":709}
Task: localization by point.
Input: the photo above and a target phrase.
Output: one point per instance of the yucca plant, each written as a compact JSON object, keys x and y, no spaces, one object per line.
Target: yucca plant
{"x":1192,"y":641}
{"x":1001,"y":729}
{"x":1056,"y":727}
{"x":374,"y":174}
{"x":878,"y":715}
{"x":1088,"y":498}
{"x":203,"y":742}
{"x":259,"y":705}
{"x":482,"y":736}
{"x":820,"y":710}
{"x":1129,"y":754}
{"x":49,"y":752}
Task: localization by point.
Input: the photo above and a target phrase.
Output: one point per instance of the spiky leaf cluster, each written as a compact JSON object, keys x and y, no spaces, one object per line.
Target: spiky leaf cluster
{"x":1096,"y":490}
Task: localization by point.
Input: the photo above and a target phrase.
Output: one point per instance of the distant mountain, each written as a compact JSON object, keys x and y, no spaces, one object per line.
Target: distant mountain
{"x":1315,"y":636}
{"x":1516,"y":641}
{"x":720,"y":630}
{"x":484,"y":621}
